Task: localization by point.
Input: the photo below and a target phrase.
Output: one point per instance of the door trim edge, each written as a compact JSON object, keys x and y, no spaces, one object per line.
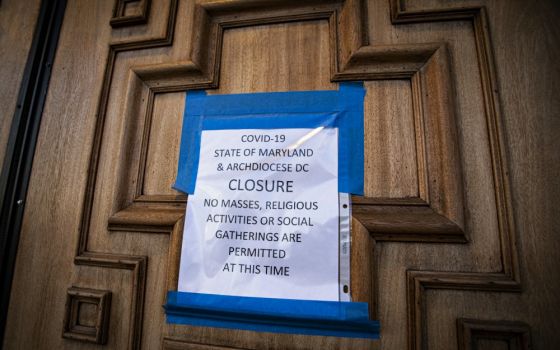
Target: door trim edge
{"x":20,"y":149}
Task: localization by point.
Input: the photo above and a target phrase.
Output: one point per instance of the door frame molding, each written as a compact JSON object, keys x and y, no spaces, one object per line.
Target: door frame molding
{"x":20,"y":149}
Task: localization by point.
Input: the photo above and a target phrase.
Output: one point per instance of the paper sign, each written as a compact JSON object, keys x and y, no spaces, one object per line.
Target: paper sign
{"x":264,"y":220}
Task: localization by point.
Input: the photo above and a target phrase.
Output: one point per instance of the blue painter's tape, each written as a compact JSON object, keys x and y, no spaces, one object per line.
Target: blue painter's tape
{"x":342,"y":109}
{"x":271,"y":121}
{"x":189,"y":153}
{"x":327,"y":318}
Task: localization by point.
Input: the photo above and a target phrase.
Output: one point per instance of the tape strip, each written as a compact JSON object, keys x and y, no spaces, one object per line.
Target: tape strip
{"x":327,"y":318}
{"x":299,"y":109}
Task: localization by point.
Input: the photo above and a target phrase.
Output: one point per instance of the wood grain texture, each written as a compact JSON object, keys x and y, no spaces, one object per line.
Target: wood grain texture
{"x":162,"y":154}
{"x":509,"y":280}
{"x":178,"y":344}
{"x":468,"y":99}
{"x":426,"y":65}
{"x":305,"y":41}
{"x":122,"y":16}
{"x":17,"y":22}
{"x":93,"y":327}
{"x":362,"y":268}
{"x":478,"y":334}
{"x":435,"y":219}
{"x":154,"y":24}
{"x":389,"y":133}
{"x":136,"y":264}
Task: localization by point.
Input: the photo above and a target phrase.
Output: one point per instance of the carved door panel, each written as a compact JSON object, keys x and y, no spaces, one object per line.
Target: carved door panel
{"x":434,"y":247}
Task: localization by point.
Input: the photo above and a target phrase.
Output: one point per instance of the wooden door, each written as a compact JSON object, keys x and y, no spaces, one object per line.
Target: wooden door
{"x":454,"y":242}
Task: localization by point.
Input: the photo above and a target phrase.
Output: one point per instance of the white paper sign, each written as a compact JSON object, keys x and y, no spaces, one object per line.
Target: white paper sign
{"x":264,"y":219}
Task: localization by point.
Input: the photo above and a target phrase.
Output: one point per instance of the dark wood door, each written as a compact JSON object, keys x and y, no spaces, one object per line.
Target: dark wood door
{"x":454,"y":243}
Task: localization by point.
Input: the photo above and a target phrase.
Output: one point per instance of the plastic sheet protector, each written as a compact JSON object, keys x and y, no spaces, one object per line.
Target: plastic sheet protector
{"x":267,"y":220}
{"x":263,"y":219}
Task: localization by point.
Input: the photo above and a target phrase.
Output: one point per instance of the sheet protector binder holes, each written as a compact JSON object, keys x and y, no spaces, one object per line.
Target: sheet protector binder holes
{"x":345,"y":288}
